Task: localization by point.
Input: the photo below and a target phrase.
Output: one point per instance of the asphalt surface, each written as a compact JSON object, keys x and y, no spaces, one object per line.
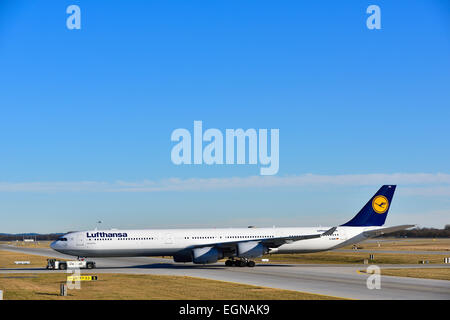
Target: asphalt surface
{"x":343,"y":281}
{"x":375,"y":251}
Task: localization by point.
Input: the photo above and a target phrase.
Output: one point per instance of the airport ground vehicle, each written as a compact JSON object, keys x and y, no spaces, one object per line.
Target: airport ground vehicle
{"x":63,"y":265}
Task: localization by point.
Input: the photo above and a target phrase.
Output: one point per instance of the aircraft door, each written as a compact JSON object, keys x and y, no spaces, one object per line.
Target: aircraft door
{"x":80,"y":241}
{"x":168,"y":238}
{"x":342,"y":234}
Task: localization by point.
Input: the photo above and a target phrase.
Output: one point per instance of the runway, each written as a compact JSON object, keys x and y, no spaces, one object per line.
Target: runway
{"x":335,"y":280}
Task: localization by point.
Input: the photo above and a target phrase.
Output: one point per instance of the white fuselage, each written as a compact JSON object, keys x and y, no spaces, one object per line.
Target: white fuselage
{"x":168,"y":242}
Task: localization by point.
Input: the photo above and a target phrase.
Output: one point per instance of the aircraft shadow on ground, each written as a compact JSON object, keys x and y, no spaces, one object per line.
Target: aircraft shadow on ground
{"x":22,"y":269}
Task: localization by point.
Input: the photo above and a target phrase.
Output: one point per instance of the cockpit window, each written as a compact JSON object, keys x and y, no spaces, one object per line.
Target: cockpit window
{"x":62,"y":239}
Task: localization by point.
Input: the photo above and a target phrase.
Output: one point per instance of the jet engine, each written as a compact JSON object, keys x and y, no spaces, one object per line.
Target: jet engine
{"x":206,"y":255}
{"x":183,"y":256}
{"x":250,"y":249}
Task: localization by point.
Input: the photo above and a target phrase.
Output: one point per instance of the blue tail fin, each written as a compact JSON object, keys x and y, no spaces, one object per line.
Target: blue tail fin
{"x":375,"y":211}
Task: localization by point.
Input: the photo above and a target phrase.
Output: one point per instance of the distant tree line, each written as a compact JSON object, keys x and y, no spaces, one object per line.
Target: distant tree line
{"x":37,"y":237}
{"x":422,"y":233}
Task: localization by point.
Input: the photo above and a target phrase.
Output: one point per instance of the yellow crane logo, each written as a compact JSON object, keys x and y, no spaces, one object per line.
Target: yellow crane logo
{"x":380,"y":204}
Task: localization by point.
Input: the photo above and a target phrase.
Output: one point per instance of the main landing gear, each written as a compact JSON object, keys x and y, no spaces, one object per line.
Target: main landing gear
{"x":240,"y":263}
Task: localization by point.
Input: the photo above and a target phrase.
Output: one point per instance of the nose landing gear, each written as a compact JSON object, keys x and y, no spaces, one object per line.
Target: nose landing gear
{"x":239,"y":263}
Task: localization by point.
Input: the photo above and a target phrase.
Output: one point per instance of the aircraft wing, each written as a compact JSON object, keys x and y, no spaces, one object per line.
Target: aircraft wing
{"x":276,"y":242}
{"x":268,"y":242}
{"x":379,"y":232}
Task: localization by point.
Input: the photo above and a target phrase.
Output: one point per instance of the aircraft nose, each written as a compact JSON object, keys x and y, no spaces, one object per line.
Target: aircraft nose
{"x":54,"y":245}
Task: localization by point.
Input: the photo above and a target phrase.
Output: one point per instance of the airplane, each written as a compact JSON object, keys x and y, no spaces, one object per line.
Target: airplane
{"x":237,"y":245}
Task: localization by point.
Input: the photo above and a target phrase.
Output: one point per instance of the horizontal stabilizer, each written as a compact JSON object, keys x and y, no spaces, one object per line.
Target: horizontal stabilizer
{"x":379,"y":232}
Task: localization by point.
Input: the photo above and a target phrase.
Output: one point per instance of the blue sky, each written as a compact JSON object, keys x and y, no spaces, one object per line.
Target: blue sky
{"x":86,"y":112}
